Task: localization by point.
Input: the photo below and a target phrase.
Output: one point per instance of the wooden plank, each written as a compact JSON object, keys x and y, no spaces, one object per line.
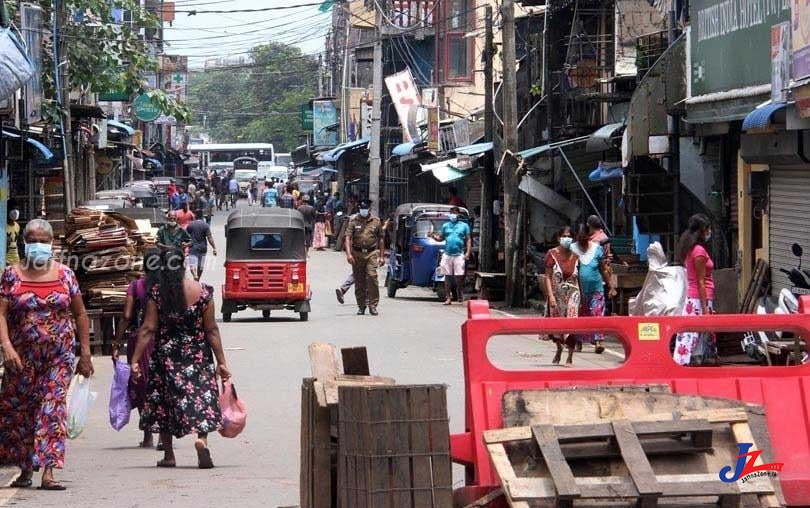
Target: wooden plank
{"x":378,"y":414}
{"x":323,"y":361}
{"x":742,"y":434}
{"x":441,"y":464}
{"x":546,"y":439}
{"x":637,"y":463}
{"x":506,"y":475}
{"x":355,"y":361}
{"x":484,"y":501}
{"x":722,"y":415}
{"x":305,"y":472}
{"x":331,"y":386}
{"x":396,"y":427}
{"x":419,"y":406}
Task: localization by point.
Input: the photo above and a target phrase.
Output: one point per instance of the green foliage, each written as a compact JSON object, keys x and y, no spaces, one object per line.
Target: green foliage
{"x":103,"y":55}
{"x":257,"y":102}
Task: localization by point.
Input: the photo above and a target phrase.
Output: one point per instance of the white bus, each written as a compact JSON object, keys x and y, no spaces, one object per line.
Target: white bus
{"x":218,"y":155}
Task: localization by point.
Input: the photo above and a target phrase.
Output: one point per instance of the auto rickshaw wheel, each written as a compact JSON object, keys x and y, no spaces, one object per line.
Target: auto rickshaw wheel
{"x":391,"y":286}
{"x":304,"y":316}
{"x":226,"y":317}
{"x":265,"y":314}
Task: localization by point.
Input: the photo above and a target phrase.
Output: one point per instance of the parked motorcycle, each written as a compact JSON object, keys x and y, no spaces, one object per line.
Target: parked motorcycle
{"x":800,"y":279}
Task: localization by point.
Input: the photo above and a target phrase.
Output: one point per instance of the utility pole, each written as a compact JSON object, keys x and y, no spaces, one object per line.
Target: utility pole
{"x":63,"y":99}
{"x":486,"y":258}
{"x":320,"y":80}
{"x":376,"y":106}
{"x":510,"y":179}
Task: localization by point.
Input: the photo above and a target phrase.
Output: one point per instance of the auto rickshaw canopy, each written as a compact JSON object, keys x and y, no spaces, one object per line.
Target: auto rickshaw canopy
{"x":265,"y":234}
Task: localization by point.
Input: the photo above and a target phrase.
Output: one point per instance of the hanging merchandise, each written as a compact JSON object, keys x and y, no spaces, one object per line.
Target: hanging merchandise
{"x":15,"y":66}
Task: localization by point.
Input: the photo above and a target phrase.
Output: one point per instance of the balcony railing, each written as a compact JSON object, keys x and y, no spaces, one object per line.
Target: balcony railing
{"x":411,"y":13}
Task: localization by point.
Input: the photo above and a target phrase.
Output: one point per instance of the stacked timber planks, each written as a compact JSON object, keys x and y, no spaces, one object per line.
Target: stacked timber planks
{"x":105,"y":251}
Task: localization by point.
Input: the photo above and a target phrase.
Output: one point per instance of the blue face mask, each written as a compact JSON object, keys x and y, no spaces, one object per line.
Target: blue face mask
{"x":566,"y":241}
{"x":453,"y":217}
{"x":38,"y":253}
{"x":364,"y":212}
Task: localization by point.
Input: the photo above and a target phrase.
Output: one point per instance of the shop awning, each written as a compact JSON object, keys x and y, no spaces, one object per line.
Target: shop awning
{"x":126,"y":129}
{"x":761,"y":117}
{"x":602,"y":139}
{"x":46,"y":153}
{"x":530,"y":153}
{"x":403,"y":149}
{"x":336,"y":153}
{"x":316,"y":172}
{"x":476,"y":149}
{"x":445,"y":171}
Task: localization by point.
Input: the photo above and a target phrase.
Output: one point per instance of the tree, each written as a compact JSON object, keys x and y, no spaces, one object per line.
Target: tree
{"x":104,"y":54}
{"x":259,"y":101}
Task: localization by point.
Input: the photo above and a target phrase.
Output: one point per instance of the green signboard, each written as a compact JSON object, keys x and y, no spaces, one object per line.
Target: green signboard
{"x":730,"y":43}
{"x":114,"y":95}
{"x":144,"y":110}
{"x":306,"y":117}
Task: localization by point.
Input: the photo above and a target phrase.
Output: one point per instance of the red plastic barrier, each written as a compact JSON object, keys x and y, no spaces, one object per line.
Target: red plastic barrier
{"x":783,"y":391}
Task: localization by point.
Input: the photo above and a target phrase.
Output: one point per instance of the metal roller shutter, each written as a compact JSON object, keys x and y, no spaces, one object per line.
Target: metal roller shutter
{"x":789,"y":202}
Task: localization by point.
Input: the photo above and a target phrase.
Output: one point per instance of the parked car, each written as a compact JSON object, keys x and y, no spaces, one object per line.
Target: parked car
{"x":104,"y":205}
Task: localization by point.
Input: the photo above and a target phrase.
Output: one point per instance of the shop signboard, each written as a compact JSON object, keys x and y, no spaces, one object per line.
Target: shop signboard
{"x":306,"y":117}
{"x":729,"y":43}
{"x":324,"y":123}
{"x":405,"y":97}
{"x":144,"y":110}
{"x":801,"y":39}
{"x":433,"y":129}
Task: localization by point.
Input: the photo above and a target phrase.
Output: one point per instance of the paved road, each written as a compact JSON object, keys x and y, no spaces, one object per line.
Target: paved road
{"x":414,"y":340}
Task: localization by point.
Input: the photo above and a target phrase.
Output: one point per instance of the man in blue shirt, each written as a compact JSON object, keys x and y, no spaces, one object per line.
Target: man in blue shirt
{"x":457,"y":250}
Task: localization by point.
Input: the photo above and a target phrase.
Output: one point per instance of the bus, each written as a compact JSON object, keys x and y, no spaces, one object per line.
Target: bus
{"x":214,"y":155}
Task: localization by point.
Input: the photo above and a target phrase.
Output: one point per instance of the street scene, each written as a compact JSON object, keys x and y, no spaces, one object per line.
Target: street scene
{"x":404,"y":253}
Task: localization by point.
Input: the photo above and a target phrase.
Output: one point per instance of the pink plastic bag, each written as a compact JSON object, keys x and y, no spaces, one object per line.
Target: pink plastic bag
{"x":234,"y":412}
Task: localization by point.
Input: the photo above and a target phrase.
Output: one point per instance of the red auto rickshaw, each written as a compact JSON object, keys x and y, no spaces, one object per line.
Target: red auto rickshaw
{"x":265,"y":262}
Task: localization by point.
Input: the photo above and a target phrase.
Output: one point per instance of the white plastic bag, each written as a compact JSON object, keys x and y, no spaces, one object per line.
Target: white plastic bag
{"x":664,"y":289}
{"x":80,"y":400}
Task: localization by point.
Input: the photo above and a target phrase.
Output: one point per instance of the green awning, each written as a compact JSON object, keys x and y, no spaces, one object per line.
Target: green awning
{"x":475,"y":149}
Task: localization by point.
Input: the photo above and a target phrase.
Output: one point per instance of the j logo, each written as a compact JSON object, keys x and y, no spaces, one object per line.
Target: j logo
{"x":745,"y":467}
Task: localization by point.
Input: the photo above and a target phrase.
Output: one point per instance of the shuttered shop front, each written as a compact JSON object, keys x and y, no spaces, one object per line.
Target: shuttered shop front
{"x":789,"y":203}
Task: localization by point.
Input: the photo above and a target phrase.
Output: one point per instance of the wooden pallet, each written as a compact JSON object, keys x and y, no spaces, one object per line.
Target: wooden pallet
{"x":319,"y":415}
{"x":534,"y":463}
{"x":394,"y":448}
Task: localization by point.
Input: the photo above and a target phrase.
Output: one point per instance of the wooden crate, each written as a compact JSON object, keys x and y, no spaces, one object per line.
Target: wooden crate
{"x":317,"y":480}
{"x":394,"y":448}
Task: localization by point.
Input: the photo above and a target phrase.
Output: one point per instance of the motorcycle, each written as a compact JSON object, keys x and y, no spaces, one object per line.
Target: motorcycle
{"x":798,"y":277}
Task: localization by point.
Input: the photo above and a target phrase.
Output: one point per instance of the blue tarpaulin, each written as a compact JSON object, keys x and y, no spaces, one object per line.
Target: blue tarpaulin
{"x":761,"y":117}
{"x":336,"y":153}
{"x":46,"y":153}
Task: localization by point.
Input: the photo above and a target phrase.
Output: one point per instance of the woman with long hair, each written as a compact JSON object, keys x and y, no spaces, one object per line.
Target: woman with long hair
{"x":182,"y":396}
{"x":134,"y":310}
{"x":693,"y":252}
{"x":562,"y":289}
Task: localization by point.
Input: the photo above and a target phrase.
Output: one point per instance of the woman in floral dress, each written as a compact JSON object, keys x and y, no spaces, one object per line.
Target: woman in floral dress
{"x":182,"y":396}
{"x":41,"y":312}
{"x":562,"y":289}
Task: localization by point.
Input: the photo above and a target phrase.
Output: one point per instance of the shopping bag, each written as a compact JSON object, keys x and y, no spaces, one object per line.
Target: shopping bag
{"x":80,"y":400}
{"x":234,"y":412}
{"x":120,"y":406}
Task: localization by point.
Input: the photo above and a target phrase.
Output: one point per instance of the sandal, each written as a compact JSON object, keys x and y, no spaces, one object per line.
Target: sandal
{"x":599,"y":349}
{"x":203,"y":455}
{"x":21,"y":482}
{"x":51,"y":485}
{"x":166,"y":463}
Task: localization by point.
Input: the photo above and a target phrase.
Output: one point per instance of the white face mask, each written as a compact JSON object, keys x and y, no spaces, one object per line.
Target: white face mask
{"x":566,"y":241}
{"x":364,"y":212}
{"x":708,"y":235}
{"x":14,"y":214}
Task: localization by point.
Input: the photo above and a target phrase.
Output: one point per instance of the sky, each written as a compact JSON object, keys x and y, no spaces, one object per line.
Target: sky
{"x":229,"y":33}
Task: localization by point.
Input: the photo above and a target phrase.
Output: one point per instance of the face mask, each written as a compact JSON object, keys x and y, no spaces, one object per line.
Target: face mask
{"x":453,"y":217}
{"x":566,"y":241}
{"x":38,"y":253}
{"x":364,"y":212}
{"x":708,"y":235}
{"x":14,"y":214}
{"x":171,"y":223}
